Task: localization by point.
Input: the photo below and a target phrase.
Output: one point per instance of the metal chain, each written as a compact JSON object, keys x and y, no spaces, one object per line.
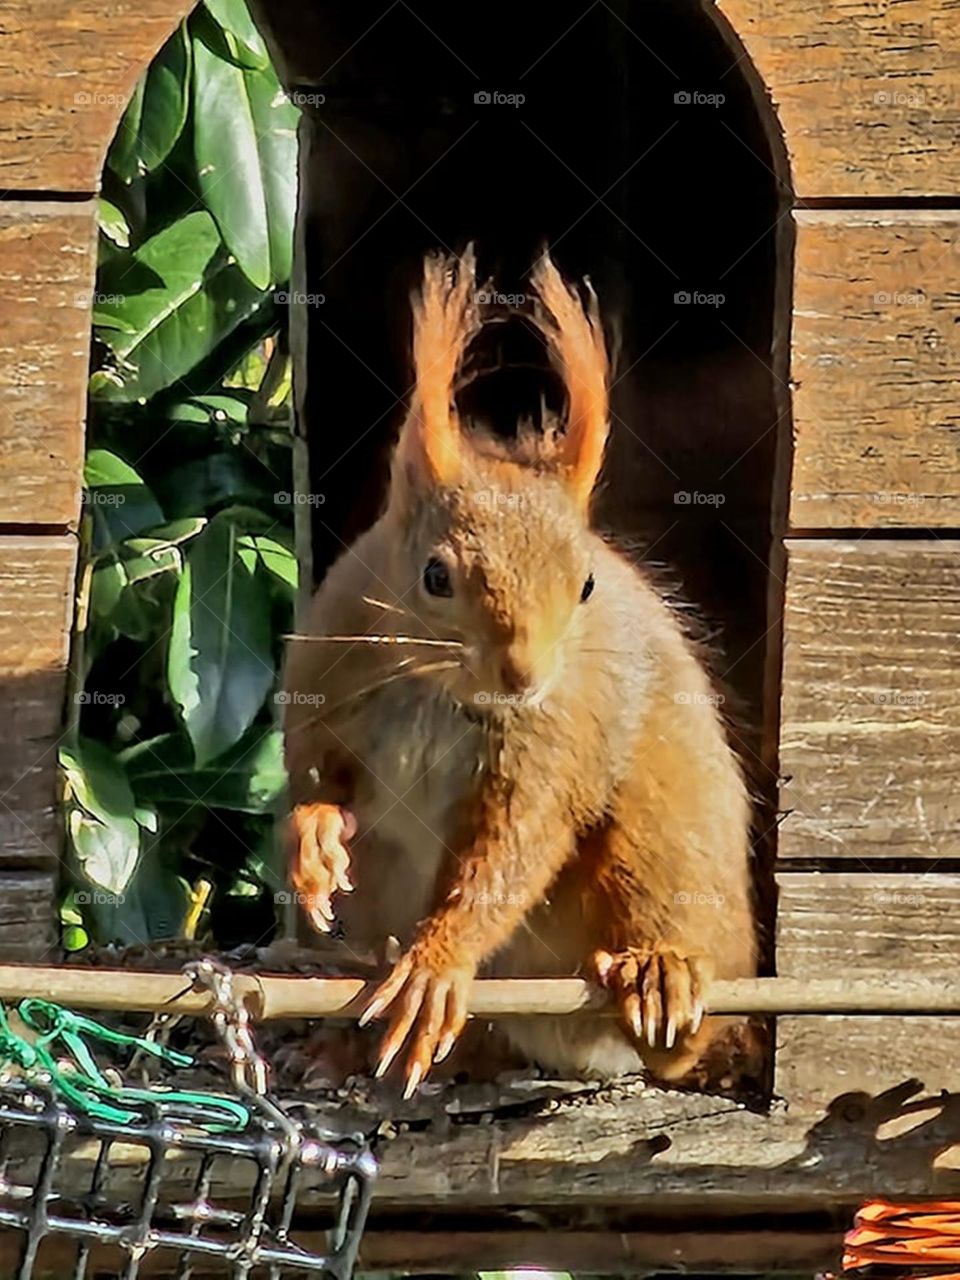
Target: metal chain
{"x":231,"y":1018}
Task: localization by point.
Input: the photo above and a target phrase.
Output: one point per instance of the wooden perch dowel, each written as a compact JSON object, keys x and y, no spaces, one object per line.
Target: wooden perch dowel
{"x":273,"y":996}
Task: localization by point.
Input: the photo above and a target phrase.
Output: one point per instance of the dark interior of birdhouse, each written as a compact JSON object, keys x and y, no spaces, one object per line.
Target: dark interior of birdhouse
{"x":630,"y":140}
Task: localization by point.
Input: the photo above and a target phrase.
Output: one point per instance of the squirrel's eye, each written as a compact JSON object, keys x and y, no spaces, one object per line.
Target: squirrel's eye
{"x":587,"y":591}
{"x":436,"y":578}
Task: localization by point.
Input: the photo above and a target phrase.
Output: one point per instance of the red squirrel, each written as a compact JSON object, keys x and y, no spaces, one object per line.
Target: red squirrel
{"x":503,"y":751}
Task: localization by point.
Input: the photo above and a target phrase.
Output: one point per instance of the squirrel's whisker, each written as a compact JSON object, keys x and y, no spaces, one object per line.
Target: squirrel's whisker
{"x":383,"y":604}
{"x":433,"y":642}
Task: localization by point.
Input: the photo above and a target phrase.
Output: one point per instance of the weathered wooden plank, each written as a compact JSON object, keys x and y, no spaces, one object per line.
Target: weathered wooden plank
{"x":901,"y":925}
{"x":876,"y":1075}
{"x":67,"y":68}
{"x":36,"y":610}
{"x":28,"y":918}
{"x":46,"y":282}
{"x":468,"y":1245}
{"x":690,"y":1246}
{"x":876,"y":370}
{"x":615,"y":1148}
{"x":870,"y":722}
{"x":866,"y":95}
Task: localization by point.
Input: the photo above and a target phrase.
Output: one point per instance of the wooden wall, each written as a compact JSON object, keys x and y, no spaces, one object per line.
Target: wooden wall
{"x":868,"y":99}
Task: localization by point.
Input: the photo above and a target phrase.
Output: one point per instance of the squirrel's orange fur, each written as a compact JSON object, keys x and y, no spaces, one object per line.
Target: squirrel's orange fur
{"x":548,"y":791}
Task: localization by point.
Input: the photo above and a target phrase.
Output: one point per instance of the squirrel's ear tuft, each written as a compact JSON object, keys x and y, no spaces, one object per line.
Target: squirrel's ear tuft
{"x":445,"y":319}
{"x":574,"y":336}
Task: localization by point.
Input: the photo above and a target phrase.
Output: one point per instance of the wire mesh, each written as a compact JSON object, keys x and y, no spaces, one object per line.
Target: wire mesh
{"x":223,"y":1203}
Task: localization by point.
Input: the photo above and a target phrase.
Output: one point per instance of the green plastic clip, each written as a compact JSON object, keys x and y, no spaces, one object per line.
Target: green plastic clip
{"x":62,"y":1056}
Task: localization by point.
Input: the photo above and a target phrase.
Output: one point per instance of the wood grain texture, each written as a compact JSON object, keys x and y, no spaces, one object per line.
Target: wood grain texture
{"x":602,"y":1150}
{"x":876,"y":370}
{"x":28,"y":915}
{"x":47,"y":262}
{"x":36,"y":611}
{"x":468,"y":1244}
{"x":896,"y":925}
{"x":901,"y":926}
{"x":866,"y":94}
{"x":870,"y":715}
{"x":67,"y":68}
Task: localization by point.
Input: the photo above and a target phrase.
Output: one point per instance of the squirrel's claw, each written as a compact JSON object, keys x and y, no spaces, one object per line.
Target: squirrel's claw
{"x":321,"y":859}
{"x":660,"y":992}
{"x":428,"y":1005}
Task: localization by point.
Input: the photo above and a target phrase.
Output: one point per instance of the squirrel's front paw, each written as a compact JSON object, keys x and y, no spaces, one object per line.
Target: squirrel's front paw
{"x":321,"y":859}
{"x":659,"y":990}
{"x":426,"y":999}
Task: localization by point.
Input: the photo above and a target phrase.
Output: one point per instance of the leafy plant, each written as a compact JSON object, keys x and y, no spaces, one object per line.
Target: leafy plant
{"x":172,"y":762}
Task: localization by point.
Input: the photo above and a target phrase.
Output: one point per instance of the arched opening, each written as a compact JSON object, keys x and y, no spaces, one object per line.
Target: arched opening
{"x":634,"y":140}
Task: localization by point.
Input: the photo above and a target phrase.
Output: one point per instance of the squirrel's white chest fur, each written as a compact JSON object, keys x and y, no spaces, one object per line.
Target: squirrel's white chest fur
{"x":418,"y":776}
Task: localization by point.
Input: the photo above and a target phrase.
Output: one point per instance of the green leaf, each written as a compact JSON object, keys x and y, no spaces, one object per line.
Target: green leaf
{"x":69,"y":911}
{"x":220,"y":661}
{"x":105,"y":469}
{"x":248,"y":778}
{"x":112,"y":223}
{"x":107,"y":854}
{"x":122,"y":156}
{"x":156,"y":113}
{"x":157,"y":552}
{"x":105,"y":383}
{"x":117,"y":602}
{"x":102,"y":822}
{"x":246,"y":154}
{"x":163,"y":559}
{"x":159,"y":893}
{"x":175,"y":299}
{"x":250,"y":370}
{"x":245,"y":41}
{"x":147,"y":819}
{"x":168,"y":535}
{"x":96,"y":780}
{"x":273,"y":555}
{"x":103,"y":319}
{"x":106,"y":587}
{"x":119,"y":502}
{"x":268,"y":776}
{"x":210,"y":410}
{"x":143,"y":611}
{"x":75,"y":938}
